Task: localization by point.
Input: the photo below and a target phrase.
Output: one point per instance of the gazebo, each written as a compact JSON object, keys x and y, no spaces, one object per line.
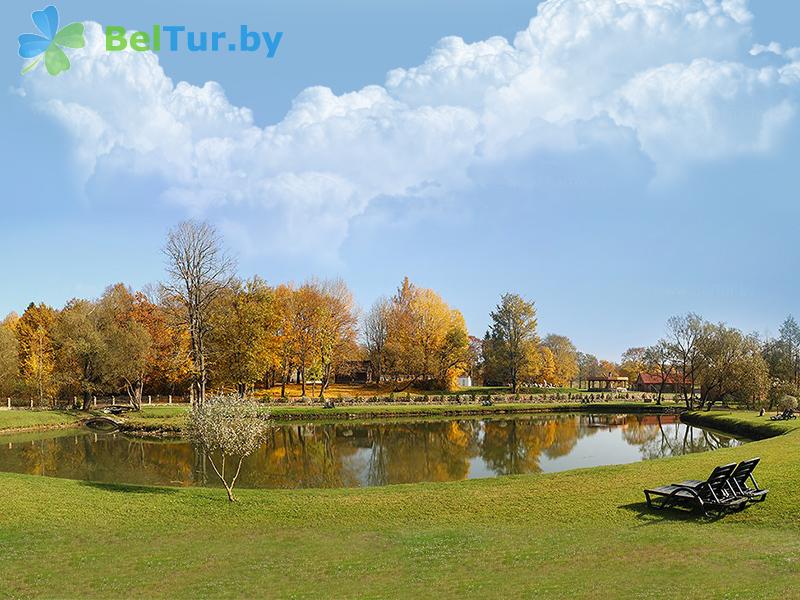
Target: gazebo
{"x":608,"y":383}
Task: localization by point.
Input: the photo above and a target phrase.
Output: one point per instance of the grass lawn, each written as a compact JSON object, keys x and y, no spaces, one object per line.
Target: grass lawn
{"x":583,"y":533}
{"x":24,"y":419}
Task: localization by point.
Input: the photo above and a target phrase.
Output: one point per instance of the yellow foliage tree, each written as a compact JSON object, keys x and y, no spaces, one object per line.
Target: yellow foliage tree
{"x":36,"y":357}
{"x":427,"y":342}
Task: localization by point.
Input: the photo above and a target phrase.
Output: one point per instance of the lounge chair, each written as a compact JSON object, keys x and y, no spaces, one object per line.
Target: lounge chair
{"x":738,"y":482}
{"x":714,"y":495}
{"x":741,"y":475}
{"x":784,"y":416}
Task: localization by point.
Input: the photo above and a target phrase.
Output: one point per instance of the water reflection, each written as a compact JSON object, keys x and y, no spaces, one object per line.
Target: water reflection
{"x":350,"y":455}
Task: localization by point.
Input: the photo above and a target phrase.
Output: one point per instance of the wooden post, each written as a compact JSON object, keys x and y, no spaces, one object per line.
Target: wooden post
{"x":170,"y":398}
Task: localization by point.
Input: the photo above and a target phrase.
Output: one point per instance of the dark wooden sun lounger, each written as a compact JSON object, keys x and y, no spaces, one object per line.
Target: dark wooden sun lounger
{"x":714,"y":495}
{"x":740,"y":477}
{"x":738,"y":481}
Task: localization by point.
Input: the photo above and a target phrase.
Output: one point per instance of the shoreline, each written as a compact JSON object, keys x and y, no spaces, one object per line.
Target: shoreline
{"x":150,"y":425}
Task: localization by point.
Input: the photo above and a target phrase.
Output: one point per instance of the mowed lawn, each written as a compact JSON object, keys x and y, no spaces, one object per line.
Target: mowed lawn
{"x":11,"y":420}
{"x":583,"y":533}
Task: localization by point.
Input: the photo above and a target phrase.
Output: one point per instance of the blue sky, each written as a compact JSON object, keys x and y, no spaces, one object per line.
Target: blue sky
{"x":616,"y":182}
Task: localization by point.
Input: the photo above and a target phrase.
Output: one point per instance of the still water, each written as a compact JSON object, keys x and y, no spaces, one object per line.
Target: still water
{"x":368,"y":454}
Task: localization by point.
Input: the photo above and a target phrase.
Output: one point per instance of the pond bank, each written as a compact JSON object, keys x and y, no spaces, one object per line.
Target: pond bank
{"x":152,"y":421}
{"x":24,"y":421}
{"x":744,"y":425}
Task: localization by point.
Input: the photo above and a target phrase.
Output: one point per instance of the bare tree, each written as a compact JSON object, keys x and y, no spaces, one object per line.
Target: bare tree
{"x":375,"y":333}
{"x":661,"y":358}
{"x":227,"y":427}
{"x":685,"y":334}
{"x":198,"y":270}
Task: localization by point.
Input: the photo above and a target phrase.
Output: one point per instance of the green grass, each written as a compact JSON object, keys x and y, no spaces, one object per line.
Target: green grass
{"x":11,"y":420}
{"x":583,"y":533}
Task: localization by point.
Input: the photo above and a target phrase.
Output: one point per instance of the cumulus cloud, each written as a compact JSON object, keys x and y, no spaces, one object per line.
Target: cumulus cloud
{"x":674,"y":74}
{"x":771,"y":48}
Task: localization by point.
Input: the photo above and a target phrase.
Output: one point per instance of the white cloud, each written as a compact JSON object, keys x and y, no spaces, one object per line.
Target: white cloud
{"x":771,"y":48}
{"x":672,"y":72}
{"x":703,"y":111}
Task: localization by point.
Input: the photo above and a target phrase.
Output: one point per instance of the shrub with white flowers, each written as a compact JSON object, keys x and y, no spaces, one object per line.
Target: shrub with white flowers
{"x":227,"y":427}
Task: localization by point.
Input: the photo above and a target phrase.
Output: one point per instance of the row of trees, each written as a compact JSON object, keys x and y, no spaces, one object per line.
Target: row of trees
{"x":204,"y":326}
{"x":708,"y":363}
{"x":121,"y":342}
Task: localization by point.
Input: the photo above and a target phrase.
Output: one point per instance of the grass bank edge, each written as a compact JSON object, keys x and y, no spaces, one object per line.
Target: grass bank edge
{"x":740,"y":423}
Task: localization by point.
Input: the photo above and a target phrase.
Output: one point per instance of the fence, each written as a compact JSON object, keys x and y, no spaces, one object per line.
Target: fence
{"x":397,"y":398}
{"x":103,"y":400}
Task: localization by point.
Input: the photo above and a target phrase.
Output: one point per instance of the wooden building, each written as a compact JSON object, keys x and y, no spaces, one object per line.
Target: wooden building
{"x":648,"y":382}
{"x":354,"y":372}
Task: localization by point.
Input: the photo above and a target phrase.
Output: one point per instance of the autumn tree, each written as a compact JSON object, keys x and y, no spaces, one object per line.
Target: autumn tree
{"x":547,"y":366}
{"x":306,"y":304}
{"x":733,"y":368}
{"x":427,"y":341}
{"x":608,"y":368}
{"x":80,"y":350}
{"x":198,"y":271}
{"x":565,"y":357}
{"x":285,"y":340}
{"x":35,"y":346}
{"x":243,"y":325}
{"x":512,"y":349}
{"x":335,"y":328}
{"x":633,"y":362}
{"x":9,"y":357}
{"x":141,"y":345}
{"x":588,"y":367}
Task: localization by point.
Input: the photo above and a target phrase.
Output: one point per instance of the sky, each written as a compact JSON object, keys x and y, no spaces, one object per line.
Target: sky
{"x":615,"y":162}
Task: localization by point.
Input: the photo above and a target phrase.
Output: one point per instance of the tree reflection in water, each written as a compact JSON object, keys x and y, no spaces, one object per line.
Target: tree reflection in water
{"x":366,"y":454}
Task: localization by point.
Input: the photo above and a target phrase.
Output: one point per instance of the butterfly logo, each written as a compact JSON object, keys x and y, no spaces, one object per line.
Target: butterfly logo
{"x":33,"y":46}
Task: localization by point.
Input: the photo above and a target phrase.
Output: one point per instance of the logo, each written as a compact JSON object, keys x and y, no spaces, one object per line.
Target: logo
{"x":177,"y":37}
{"x":49,"y":44}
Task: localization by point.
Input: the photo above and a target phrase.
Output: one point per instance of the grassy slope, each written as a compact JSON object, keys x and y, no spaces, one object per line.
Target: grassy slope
{"x":576,"y":533}
{"x":11,"y":420}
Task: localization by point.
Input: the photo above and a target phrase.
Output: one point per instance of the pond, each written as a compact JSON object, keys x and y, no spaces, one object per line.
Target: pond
{"x":349,"y":454}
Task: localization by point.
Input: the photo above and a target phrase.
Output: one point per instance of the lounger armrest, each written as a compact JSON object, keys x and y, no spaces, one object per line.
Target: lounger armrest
{"x":685,"y":488}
